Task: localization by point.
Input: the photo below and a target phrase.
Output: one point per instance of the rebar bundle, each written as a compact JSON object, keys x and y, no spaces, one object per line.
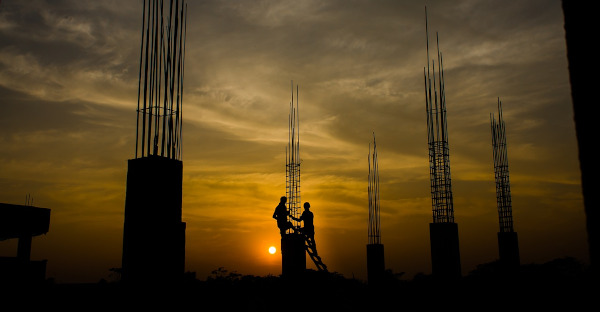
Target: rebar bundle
{"x":160,"y":87}
{"x":292,"y":165}
{"x":373,"y":191}
{"x":503,"y":197}
{"x":437,"y":133}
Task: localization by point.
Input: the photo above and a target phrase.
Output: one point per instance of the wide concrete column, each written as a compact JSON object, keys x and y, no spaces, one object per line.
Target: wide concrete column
{"x":153,"y":233}
{"x":293,"y":255}
{"x":375,"y":264}
{"x":508,"y":247}
{"x":445,"y":254}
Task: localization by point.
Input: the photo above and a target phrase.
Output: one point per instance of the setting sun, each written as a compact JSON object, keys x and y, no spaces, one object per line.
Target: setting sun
{"x":272,"y":250}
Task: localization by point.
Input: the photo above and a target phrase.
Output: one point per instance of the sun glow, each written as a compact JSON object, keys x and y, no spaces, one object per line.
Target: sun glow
{"x":272,"y":250}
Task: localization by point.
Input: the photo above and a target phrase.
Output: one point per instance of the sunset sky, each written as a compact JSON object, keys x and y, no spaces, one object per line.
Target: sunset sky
{"x":68,"y":98}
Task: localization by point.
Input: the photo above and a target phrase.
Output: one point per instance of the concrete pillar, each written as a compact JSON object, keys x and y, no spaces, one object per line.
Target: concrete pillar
{"x":445,"y":254}
{"x":153,"y":233}
{"x":375,"y":264}
{"x":293,"y":255}
{"x":508,"y":247}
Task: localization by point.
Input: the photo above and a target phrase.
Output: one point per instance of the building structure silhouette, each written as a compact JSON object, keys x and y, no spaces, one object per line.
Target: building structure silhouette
{"x":22,"y":222}
{"x":508,"y":243}
{"x":443,"y":231}
{"x":153,"y":231}
{"x":375,"y":250}
{"x":293,"y":255}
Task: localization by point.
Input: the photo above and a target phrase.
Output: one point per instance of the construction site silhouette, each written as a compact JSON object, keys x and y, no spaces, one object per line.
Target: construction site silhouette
{"x":153,"y":266}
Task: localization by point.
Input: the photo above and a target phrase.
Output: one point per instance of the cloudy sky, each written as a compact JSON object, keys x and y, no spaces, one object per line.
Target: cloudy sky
{"x":68,"y":95}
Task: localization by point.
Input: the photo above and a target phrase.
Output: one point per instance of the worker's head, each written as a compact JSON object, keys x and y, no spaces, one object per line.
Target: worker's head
{"x":283,"y":199}
{"x":306,"y":205}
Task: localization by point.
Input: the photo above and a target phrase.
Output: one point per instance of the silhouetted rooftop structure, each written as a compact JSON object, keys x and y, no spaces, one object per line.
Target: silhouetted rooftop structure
{"x":19,"y":220}
{"x":23,"y":223}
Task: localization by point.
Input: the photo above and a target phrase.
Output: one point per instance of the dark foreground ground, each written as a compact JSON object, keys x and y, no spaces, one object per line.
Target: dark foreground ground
{"x":559,"y":285}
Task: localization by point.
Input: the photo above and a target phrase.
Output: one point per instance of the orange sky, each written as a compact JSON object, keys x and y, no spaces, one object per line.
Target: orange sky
{"x":68,"y":87}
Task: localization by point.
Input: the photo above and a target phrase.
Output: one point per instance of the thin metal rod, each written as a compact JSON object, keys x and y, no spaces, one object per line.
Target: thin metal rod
{"x":137,"y":121}
{"x":437,"y":134}
{"x":143,"y":138}
{"x":501,"y":173}
{"x":180,"y":141}
{"x":162,"y":63}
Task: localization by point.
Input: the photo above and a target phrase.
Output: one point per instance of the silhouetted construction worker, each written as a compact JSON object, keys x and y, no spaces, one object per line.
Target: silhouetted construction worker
{"x":308,"y":230}
{"x":307,"y":216}
{"x":281,"y":215}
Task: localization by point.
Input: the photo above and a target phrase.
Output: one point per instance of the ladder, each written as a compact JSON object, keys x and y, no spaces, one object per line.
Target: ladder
{"x":311,"y":248}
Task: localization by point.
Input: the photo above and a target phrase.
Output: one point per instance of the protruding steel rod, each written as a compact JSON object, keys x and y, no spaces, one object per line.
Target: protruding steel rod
{"x":137,"y":124}
{"x":162,"y":63}
{"x":503,"y":196}
{"x":373,"y":195}
{"x":437,"y":135}
{"x":293,"y":157}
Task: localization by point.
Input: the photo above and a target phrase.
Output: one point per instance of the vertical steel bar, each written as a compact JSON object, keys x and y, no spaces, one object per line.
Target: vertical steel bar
{"x":137,"y":123}
{"x":146,"y":64}
{"x":181,"y":78}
